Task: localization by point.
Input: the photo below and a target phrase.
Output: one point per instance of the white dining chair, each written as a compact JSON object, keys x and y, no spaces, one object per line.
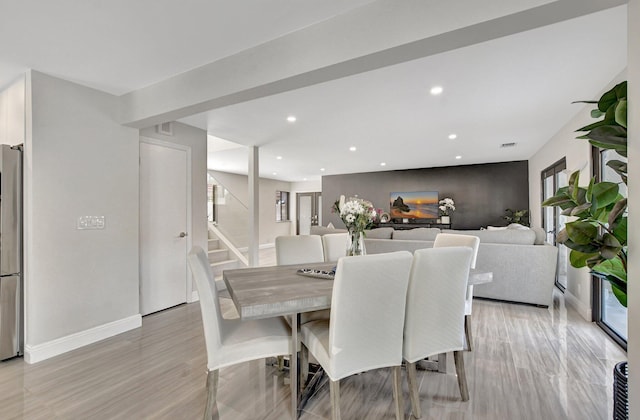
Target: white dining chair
{"x":451,"y":239}
{"x":299,"y":249}
{"x":434,"y":321}
{"x":367,"y":319}
{"x":231,"y":341}
{"x":334,"y":245}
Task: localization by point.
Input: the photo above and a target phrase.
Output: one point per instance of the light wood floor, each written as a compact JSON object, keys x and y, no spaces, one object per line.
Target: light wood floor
{"x":528,"y":363}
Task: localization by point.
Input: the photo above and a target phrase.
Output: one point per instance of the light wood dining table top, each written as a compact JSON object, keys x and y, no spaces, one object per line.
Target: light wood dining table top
{"x":264,"y":292}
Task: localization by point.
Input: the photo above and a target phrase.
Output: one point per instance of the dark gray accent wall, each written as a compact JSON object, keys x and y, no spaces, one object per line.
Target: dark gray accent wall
{"x":481,"y":192}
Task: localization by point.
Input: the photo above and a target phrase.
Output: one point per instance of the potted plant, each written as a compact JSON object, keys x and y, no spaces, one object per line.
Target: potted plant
{"x":517,"y":216}
{"x":446,"y":207}
{"x":597,"y":236}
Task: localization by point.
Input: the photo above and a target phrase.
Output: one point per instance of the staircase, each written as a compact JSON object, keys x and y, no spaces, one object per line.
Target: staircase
{"x":220,"y":259}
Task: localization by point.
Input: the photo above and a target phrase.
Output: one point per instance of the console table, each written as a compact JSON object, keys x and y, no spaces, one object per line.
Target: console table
{"x":413,"y":225}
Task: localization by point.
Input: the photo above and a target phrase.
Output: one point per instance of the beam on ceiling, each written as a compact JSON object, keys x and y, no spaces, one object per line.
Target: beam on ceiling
{"x":379,"y":34}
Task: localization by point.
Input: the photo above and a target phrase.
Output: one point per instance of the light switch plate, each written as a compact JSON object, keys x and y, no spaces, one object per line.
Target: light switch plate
{"x":91,"y":222}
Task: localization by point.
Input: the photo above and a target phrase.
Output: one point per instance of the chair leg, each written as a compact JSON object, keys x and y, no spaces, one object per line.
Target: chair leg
{"x":397,"y":392}
{"x":467,"y":332}
{"x":212,"y":389}
{"x":334,"y":391}
{"x":458,"y":357}
{"x":413,"y":390}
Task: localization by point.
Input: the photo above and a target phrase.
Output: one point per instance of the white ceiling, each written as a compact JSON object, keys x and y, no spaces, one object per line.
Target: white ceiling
{"x":513,"y":89}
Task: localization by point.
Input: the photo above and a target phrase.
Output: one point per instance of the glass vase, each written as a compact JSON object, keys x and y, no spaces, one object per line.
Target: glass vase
{"x":355,"y":244}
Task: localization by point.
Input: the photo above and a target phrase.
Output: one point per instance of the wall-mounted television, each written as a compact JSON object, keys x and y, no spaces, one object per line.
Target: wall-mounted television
{"x":413,"y":205}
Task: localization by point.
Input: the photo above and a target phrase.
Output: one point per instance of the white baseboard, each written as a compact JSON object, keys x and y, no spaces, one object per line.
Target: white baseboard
{"x":575,"y":303}
{"x":40,"y":352}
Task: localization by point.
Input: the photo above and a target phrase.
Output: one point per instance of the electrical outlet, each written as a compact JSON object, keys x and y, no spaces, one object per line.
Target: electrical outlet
{"x":91,"y":222}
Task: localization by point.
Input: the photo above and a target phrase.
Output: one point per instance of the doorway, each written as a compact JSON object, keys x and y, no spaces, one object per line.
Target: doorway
{"x":553,"y":221}
{"x":164,"y":224}
{"x":309,"y":211}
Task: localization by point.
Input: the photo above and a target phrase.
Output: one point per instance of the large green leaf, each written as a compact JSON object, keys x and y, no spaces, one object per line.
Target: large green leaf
{"x":620,"y":230}
{"x":613,"y":135}
{"x":579,"y":259}
{"x":607,"y":99}
{"x":610,"y":246}
{"x":556,"y":200}
{"x":595,"y":124}
{"x":590,"y":248}
{"x":621,"y":90}
{"x":589,"y":194}
{"x":576,"y":211}
{"x":620,"y":294}
{"x":604,"y":193}
{"x":618,"y":166}
{"x":581,"y":233}
{"x":617,"y":211}
{"x":621,"y":113}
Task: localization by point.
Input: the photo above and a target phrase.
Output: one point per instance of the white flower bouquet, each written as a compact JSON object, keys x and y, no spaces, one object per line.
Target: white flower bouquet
{"x":446,"y":206}
{"x":356,"y":213}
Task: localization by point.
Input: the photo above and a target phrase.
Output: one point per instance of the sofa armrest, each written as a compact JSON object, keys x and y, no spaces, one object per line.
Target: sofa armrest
{"x":521,"y":273}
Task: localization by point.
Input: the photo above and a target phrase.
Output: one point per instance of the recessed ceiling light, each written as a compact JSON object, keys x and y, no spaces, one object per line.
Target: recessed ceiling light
{"x":304,"y":179}
{"x":458,"y":157}
{"x":453,"y":136}
{"x":279,"y":157}
{"x":353,"y":148}
{"x":383,"y":164}
{"x":436,"y":90}
{"x":291,"y":118}
{"x":321,"y":169}
{"x":275,"y":173}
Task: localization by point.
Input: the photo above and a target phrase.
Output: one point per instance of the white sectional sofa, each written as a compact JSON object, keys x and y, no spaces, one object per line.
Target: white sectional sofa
{"x":523,"y":265}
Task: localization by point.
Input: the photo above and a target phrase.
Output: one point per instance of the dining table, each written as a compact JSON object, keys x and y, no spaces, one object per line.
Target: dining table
{"x":266,"y":292}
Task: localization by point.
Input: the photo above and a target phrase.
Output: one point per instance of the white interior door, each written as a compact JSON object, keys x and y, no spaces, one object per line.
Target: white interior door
{"x":163,"y":227}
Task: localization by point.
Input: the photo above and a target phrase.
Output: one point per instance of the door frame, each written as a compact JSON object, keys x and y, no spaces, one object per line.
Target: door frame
{"x":553,"y":170}
{"x":315,"y":205}
{"x":189,"y":288}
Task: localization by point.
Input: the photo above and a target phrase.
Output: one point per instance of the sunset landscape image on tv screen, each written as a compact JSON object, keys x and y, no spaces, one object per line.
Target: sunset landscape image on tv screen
{"x":414,"y":205}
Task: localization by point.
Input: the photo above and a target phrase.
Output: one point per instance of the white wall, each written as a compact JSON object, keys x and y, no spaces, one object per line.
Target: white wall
{"x":196,"y":139}
{"x":12,"y":113}
{"x":238,"y":186}
{"x":578,"y":156}
{"x":634,"y":207}
{"x":81,"y":285}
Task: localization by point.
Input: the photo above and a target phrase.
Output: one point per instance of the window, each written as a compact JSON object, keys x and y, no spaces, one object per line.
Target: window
{"x":282,"y":206}
{"x":608,"y":313}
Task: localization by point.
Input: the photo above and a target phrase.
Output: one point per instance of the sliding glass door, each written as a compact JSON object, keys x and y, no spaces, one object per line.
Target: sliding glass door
{"x":553,"y":222}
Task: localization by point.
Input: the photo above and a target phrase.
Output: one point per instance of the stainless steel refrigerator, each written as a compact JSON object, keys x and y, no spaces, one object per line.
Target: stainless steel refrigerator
{"x":11,"y":285}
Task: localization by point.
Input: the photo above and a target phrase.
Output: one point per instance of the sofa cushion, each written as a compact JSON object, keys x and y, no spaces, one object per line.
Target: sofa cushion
{"x":504,"y":236}
{"x":379,"y":233}
{"x":418,"y":234}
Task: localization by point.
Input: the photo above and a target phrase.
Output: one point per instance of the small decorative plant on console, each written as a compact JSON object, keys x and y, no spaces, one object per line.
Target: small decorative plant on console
{"x":447,"y":206}
{"x":517,"y":216}
{"x":357,"y":215}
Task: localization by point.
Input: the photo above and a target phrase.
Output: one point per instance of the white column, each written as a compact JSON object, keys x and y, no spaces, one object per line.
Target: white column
{"x":633,"y":298}
{"x":254,"y":223}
